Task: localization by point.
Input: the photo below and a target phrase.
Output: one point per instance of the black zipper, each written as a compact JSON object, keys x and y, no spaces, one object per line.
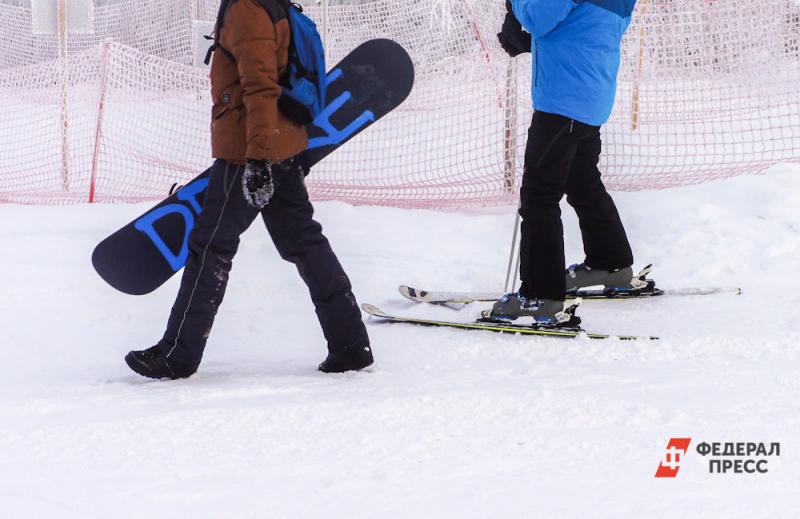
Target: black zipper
{"x":536,"y":77}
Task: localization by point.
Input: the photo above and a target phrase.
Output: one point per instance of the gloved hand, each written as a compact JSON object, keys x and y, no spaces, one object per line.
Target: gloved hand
{"x":257,"y":183}
{"x":513,"y":39}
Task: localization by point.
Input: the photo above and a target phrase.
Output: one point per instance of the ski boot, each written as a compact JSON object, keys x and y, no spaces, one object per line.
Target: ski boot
{"x":347,"y":359}
{"x":152,"y":363}
{"x":546,"y":313}
{"x":615,"y":283}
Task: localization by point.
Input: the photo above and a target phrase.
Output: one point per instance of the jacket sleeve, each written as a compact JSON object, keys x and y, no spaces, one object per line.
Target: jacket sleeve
{"x":540,"y":17}
{"x":254,"y":45}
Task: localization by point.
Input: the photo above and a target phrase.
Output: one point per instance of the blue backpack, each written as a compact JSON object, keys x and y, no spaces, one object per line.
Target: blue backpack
{"x":304,"y":81}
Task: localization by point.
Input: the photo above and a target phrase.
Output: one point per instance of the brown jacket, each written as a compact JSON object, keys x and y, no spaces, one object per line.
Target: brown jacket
{"x":245,"y":120}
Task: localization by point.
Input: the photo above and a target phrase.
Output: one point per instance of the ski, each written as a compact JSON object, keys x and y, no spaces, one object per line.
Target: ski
{"x":569,"y":332}
{"x":640,"y":287}
{"x":438,"y":297}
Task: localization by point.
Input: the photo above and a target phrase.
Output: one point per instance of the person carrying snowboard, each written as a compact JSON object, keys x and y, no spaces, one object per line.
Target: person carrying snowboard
{"x":257,"y":137}
{"x":576,"y":57}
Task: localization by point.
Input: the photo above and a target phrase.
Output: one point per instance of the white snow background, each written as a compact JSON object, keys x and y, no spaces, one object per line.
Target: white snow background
{"x":448,"y":423}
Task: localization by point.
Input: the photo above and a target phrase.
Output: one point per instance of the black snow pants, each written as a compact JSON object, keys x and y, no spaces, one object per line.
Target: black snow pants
{"x":299,"y":240}
{"x":561,"y":157}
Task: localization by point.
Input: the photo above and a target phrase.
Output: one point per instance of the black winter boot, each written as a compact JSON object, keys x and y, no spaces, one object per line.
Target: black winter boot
{"x":348,"y":359}
{"x":152,"y":363}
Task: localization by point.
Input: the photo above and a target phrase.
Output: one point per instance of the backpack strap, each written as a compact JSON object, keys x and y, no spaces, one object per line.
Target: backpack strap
{"x":224,"y":7}
{"x":279,"y":10}
{"x":214,"y":47}
{"x":276,"y":9}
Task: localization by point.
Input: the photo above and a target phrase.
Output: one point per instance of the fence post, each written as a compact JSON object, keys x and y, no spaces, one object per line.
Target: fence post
{"x":510,"y":130}
{"x":640,"y":63}
{"x":105,"y":55}
{"x":63,"y":81}
{"x":325,"y":24}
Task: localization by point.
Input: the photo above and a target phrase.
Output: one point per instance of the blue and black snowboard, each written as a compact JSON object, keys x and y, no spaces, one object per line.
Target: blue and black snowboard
{"x":366,"y":85}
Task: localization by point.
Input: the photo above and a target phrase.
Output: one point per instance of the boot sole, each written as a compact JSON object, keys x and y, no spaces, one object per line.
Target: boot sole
{"x":346,"y":370}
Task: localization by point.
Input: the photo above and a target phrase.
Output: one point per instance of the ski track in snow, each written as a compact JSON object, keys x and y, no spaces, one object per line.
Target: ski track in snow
{"x":447,"y":423}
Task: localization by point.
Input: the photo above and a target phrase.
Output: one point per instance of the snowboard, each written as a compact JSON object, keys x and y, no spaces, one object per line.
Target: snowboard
{"x":367,"y":84}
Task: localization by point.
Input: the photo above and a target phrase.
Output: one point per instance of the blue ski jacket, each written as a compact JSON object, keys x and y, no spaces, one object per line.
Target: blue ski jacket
{"x":576,"y":54}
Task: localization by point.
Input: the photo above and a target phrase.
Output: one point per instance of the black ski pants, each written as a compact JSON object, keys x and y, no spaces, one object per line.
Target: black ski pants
{"x":561,"y":157}
{"x":299,"y":240}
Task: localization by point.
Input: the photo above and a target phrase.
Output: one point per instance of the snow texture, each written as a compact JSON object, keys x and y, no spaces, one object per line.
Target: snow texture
{"x":447,"y":423}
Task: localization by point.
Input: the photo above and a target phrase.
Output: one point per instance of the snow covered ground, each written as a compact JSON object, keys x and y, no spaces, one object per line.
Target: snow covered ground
{"x":448,"y":423}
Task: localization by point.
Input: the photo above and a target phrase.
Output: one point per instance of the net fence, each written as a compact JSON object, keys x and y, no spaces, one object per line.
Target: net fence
{"x":707,"y":90}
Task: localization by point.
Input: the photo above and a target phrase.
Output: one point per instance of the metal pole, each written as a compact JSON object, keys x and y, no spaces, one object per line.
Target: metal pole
{"x":510,"y":135}
{"x":511,"y":275}
{"x":510,"y":167}
{"x":516,"y":270}
{"x":638,"y":75}
{"x":63,"y":90}
{"x":325,"y":24}
{"x":105,"y":52}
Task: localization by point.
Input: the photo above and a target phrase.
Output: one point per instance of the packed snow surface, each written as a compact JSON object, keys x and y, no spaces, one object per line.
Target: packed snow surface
{"x":448,"y":423}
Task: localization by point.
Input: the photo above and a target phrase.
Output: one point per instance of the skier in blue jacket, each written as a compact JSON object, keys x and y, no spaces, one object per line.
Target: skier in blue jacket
{"x":576,"y":57}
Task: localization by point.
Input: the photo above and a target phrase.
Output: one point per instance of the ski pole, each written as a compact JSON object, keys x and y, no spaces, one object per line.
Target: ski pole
{"x":511,"y":261}
{"x":516,"y":270}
